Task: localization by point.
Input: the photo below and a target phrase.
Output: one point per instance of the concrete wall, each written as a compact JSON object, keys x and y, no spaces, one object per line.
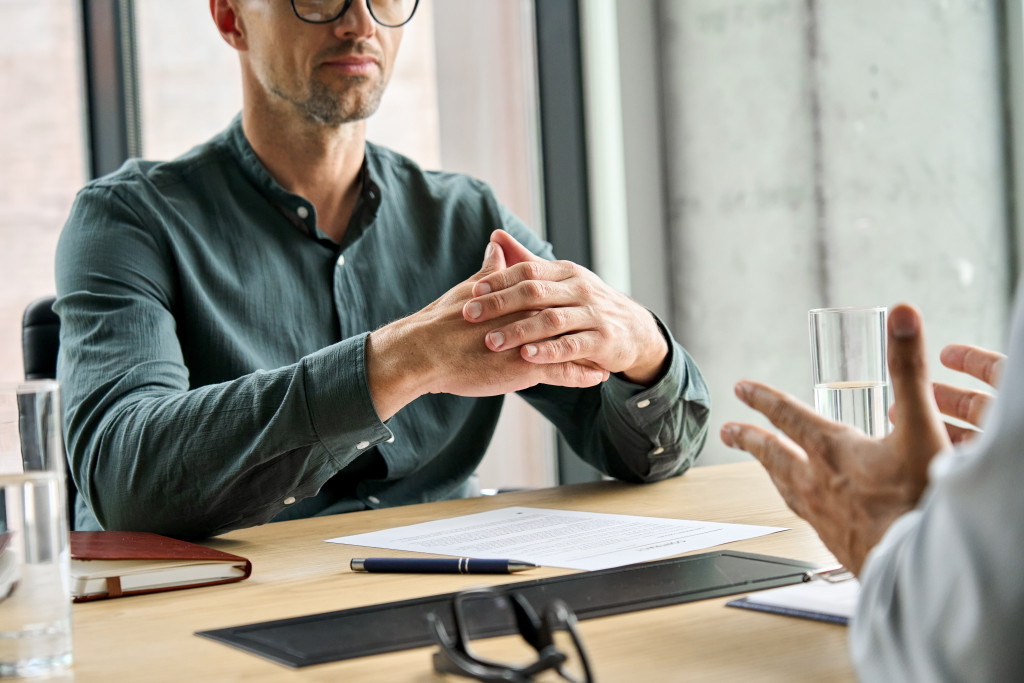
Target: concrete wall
{"x":828,"y":153}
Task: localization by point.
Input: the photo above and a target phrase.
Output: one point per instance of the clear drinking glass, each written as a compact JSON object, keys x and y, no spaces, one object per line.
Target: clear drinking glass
{"x":849,"y":368}
{"x":35,"y":604}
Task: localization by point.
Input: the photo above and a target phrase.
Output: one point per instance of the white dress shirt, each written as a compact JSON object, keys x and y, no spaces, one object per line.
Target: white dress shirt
{"x":942,"y":595}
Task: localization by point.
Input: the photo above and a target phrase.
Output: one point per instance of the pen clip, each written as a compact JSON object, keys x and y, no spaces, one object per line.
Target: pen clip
{"x":830,"y":574}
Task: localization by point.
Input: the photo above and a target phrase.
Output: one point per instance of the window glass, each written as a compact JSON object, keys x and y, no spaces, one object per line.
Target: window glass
{"x":188,"y":95}
{"x":189,"y":86}
{"x":42,"y":151}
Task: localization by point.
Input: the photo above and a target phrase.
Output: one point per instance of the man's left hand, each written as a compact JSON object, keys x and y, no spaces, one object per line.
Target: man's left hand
{"x":579,"y":317}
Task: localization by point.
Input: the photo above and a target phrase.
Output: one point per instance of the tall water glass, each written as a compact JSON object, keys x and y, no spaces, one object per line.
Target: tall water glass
{"x":849,"y":369}
{"x":35,"y":605}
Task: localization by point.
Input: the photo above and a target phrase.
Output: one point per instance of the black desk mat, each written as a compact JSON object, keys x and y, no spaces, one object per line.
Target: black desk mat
{"x":393,"y":626}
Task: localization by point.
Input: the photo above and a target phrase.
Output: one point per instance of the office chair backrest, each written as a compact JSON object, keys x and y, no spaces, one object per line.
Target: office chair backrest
{"x":40,"y":340}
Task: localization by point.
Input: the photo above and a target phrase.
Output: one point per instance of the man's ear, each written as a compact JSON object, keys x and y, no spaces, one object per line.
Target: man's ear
{"x":226,"y":16}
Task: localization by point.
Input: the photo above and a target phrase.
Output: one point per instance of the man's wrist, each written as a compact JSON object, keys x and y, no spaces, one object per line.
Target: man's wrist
{"x":654,"y":359}
{"x":396,"y":373}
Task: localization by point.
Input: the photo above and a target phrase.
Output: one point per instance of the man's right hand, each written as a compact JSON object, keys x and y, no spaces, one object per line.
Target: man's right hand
{"x":435,"y":350}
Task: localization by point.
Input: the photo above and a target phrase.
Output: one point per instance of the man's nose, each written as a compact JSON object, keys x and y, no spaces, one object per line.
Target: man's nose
{"x":357,"y":22}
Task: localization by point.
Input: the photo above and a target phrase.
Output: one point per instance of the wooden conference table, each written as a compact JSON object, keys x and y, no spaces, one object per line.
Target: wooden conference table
{"x":150,"y":637}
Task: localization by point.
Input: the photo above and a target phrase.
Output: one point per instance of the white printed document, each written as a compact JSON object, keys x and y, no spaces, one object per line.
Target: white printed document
{"x":558,"y":538}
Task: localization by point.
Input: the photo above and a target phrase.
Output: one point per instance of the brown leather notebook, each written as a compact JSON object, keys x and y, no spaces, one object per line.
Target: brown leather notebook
{"x":112,"y":564}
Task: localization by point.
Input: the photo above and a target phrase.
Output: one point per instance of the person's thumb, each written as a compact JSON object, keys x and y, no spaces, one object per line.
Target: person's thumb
{"x":916,"y":413}
{"x":514,"y":251}
{"x":494,"y":259}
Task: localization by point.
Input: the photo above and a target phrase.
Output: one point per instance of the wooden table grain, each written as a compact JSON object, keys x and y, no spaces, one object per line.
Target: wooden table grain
{"x":295,"y":573}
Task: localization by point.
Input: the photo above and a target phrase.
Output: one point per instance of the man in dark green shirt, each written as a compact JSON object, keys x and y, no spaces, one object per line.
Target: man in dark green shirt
{"x":289,"y":321}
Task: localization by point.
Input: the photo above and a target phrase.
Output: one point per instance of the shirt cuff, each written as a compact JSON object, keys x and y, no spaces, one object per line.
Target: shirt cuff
{"x":338,"y":397}
{"x":648,"y":404}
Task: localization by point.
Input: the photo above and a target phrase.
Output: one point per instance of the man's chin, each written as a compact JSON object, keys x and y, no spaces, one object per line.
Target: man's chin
{"x":339,"y":113}
{"x":357,"y":102}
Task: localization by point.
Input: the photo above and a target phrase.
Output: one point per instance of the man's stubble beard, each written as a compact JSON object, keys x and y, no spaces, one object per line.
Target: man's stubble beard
{"x":326,"y":107}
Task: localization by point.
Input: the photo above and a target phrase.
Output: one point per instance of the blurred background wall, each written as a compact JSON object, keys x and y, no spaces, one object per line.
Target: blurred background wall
{"x":820,"y":153}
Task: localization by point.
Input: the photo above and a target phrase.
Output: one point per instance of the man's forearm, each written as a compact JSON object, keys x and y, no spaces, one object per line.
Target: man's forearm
{"x":192,"y":463}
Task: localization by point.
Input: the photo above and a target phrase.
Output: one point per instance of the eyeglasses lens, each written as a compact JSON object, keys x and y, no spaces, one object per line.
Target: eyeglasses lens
{"x":318,"y":10}
{"x":385,"y":12}
{"x":392,"y":12}
{"x":574,"y":667}
{"x":481,"y":617}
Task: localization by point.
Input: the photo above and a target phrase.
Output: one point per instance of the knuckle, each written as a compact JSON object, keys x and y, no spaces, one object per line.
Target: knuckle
{"x":535,"y":290}
{"x":566,"y":373}
{"x":568,"y":266}
{"x":553,"y":317}
{"x":569,"y":347}
{"x":499,"y":301}
{"x":993,"y":371}
{"x":577,"y":373}
{"x":777,"y":413}
{"x":963,"y":406}
{"x":815,"y":442}
{"x":587,"y":289}
{"x":531,"y":270}
{"x":514,"y":332}
{"x":774,"y":445}
{"x":976,"y":408}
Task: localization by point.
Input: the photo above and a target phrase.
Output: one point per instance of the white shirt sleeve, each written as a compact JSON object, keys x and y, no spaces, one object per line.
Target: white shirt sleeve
{"x":942,"y":595}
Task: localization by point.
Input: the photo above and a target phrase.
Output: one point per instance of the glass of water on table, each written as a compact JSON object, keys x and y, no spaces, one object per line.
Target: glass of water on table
{"x":35,"y":597}
{"x":849,"y":368}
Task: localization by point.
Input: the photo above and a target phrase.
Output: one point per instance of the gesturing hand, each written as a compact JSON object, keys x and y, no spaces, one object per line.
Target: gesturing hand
{"x":848,"y":486}
{"x":436,"y":351}
{"x":966,"y":404}
{"x":578,"y":317}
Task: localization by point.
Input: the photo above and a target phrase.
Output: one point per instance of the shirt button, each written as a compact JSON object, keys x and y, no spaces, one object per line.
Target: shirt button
{"x":373,"y":499}
{"x":289,"y":500}
{"x":341,"y":260}
{"x":643,"y":404}
{"x":362,"y":444}
{"x":302,"y":211}
{"x":658,"y":451}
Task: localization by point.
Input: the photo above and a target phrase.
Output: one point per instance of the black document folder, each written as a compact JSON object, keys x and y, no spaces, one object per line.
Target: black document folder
{"x":393,"y":626}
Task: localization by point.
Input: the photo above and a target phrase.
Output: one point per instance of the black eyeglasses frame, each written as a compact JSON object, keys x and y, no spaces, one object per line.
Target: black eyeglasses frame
{"x":345,"y":8}
{"x":456,"y":655}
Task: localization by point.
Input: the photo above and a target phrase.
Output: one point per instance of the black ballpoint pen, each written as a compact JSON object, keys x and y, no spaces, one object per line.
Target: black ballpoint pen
{"x":430,"y":565}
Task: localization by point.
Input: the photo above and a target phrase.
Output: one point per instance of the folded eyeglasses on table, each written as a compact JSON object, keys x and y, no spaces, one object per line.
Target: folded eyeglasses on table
{"x":552,"y":636}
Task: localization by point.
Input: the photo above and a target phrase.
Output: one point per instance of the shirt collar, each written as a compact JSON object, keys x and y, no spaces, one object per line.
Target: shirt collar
{"x":297,"y":208}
